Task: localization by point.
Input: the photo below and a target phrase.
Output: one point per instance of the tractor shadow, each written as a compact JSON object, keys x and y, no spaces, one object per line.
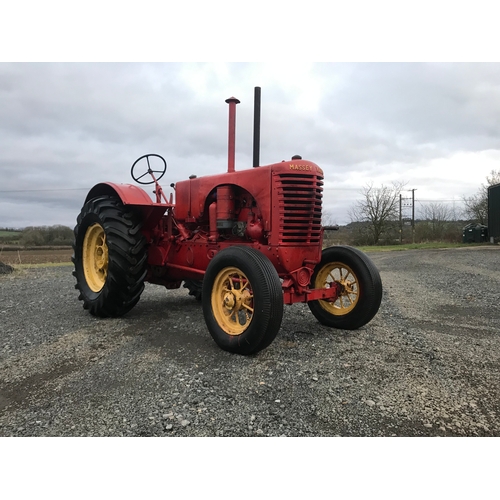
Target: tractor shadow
{"x":172,"y":322}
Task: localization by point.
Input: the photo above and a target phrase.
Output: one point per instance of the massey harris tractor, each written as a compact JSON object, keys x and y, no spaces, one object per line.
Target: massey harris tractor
{"x":243,"y":242}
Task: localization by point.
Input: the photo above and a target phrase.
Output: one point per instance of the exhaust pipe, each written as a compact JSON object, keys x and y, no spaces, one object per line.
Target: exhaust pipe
{"x":256,"y":128}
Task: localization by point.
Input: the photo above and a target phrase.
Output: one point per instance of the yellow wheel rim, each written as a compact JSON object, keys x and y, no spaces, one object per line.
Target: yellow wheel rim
{"x":95,"y":257}
{"x":232,"y":301}
{"x":336,"y":272}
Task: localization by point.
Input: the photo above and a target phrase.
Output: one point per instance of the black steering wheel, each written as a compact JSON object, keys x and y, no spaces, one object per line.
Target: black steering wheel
{"x":149,"y":171}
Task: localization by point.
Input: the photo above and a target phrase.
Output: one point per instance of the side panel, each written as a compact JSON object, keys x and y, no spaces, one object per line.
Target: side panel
{"x":191,"y":195}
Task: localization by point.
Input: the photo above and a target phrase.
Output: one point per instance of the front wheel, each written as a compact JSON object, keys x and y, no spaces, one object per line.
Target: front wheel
{"x":242,"y":300}
{"x":359,"y":284}
{"x":109,"y":256}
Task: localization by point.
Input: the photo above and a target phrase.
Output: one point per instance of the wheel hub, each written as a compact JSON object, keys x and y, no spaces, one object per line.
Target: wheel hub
{"x":95,"y":257}
{"x":229,"y":300}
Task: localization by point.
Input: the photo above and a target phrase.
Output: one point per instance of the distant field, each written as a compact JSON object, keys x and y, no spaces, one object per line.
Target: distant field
{"x":9,"y":236}
{"x":42,"y":256}
{"x":9,"y":233}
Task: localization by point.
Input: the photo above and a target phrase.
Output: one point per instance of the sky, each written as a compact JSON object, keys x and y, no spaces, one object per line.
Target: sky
{"x":66,"y":126}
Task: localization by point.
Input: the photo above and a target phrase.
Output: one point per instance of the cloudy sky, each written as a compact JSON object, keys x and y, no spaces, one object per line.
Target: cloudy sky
{"x":66,"y":126}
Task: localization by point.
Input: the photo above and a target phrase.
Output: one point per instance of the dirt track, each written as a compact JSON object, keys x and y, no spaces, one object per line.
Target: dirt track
{"x":427,"y":365}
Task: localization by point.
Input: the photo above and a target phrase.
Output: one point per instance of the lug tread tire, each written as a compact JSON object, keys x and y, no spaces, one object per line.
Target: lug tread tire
{"x":195,"y":288}
{"x":268,"y":300}
{"x":127,"y":257}
{"x":370,"y":288}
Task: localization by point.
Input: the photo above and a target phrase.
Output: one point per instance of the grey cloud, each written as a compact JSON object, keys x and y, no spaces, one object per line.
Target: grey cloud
{"x":450,"y":105}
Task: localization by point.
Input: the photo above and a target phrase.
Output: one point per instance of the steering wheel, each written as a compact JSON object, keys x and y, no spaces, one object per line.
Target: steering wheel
{"x":150,"y":171}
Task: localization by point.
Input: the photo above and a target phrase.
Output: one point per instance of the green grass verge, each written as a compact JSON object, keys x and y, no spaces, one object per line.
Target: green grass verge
{"x":420,"y":246}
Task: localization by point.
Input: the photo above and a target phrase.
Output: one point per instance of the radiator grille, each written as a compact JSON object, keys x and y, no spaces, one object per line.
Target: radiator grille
{"x":299,"y":197}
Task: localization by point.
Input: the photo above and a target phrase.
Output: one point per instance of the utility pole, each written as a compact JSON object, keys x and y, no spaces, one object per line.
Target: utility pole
{"x":413,"y":214}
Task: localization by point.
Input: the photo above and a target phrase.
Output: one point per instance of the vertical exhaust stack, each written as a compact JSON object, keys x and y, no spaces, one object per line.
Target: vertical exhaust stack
{"x":232,"y":101}
{"x":256,"y":128}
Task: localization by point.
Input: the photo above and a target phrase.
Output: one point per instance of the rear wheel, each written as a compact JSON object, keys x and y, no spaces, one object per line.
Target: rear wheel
{"x":359,"y":283}
{"x":109,"y":257}
{"x":195,"y":288}
{"x":242,"y":300}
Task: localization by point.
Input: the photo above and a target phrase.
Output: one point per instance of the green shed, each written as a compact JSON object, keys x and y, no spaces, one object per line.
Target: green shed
{"x":494,"y":212}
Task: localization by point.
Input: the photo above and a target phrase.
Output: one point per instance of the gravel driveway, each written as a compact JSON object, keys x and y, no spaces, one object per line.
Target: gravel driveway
{"x":427,"y":365}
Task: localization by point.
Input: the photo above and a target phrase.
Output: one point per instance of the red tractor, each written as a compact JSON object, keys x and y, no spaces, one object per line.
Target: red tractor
{"x":244,"y":243}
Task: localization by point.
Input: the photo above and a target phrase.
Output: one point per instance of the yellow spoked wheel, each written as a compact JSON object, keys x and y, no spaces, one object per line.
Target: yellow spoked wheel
{"x":337,"y":272}
{"x":95,"y":257}
{"x":110,"y":257}
{"x":232,"y":301}
{"x":359,"y":283}
{"x":242,"y":300}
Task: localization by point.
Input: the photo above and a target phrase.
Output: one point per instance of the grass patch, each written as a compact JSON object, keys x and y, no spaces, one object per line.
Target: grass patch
{"x":9,"y":233}
{"x":420,"y":246}
{"x":9,"y":237}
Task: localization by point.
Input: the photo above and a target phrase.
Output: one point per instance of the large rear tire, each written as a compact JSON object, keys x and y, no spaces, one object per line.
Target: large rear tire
{"x":109,"y":257}
{"x":360,"y":285}
{"x":242,"y":300}
{"x":195,"y":288}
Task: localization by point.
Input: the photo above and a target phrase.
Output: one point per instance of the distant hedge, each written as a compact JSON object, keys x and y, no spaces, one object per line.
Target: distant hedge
{"x":46,"y":235}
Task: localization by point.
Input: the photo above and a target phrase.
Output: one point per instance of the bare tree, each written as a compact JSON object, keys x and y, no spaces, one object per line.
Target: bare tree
{"x":328,"y":218}
{"x":436,"y":212}
{"x":435,"y":218}
{"x":476,"y":206}
{"x":379,"y":207}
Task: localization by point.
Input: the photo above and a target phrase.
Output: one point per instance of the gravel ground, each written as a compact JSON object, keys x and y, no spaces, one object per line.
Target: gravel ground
{"x":427,"y":365}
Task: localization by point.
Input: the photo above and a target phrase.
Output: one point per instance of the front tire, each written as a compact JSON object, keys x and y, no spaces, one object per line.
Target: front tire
{"x":242,"y":300}
{"x":360,"y":288}
{"x":109,"y":257}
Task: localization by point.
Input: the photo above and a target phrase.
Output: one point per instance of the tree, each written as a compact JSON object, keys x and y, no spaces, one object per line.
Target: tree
{"x":379,"y":207}
{"x":435,"y":221}
{"x":32,"y":236}
{"x":47,"y":235}
{"x":476,"y":206}
{"x":328,"y":218}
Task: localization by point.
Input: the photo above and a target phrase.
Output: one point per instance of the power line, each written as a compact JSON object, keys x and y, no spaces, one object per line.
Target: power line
{"x":448,"y":201}
{"x":339,"y":189}
{"x":42,"y":190}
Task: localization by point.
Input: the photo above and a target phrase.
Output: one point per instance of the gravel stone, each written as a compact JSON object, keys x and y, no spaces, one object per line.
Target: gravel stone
{"x":426,"y":365}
